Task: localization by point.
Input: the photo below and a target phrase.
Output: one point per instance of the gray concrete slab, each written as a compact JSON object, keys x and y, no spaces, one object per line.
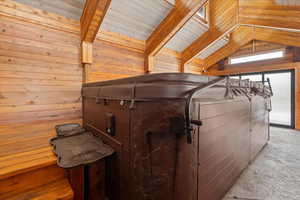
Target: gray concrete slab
{"x":275,"y":173}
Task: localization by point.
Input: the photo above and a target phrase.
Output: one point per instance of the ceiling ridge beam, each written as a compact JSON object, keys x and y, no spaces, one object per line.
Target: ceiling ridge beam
{"x":175,"y":20}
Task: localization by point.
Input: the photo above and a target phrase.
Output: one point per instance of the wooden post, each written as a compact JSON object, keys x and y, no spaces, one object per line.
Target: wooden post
{"x":96,"y":174}
{"x":86,"y":52}
{"x":76,"y":178}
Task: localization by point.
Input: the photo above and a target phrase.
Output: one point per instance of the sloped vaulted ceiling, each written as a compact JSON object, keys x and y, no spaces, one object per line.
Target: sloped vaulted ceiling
{"x":288,"y":2}
{"x":135,"y":18}
{"x":188,"y":34}
{"x":67,"y":8}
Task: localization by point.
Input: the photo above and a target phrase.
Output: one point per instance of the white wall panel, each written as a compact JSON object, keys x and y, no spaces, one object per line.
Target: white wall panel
{"x":213,"y":48}
{"x":135,"y":18}
{"x":187,"y":35}
{"x":288,"y":2}
{"x":67,"y":8}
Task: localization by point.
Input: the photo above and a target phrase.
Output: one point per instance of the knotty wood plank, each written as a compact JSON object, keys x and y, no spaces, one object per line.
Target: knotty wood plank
{"x":59,"y":189}
{"x":26,"y":13}
{"x":268,"y":13}
{"x":24,"y":181}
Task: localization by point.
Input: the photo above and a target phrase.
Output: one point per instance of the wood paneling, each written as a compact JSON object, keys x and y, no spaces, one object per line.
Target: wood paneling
{"x":282,"y":37}
{"x":59,"y":189}
{"x":43,"y":183}
{"x":37,"y":16}
{"x":40,"y":78}
{"x":268,"y":13}
{"x":117,"y":56}
{"x":223,"y":14}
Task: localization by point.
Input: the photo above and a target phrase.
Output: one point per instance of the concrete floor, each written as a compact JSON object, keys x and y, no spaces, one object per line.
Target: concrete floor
{"x":275,"y":174}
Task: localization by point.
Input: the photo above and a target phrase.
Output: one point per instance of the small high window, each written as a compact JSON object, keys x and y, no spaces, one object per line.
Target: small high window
{"x":202,"y":13}
{"x":257,"y":57}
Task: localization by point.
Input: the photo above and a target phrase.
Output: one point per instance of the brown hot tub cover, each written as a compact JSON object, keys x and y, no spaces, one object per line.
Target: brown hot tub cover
{"x":177,"y":136}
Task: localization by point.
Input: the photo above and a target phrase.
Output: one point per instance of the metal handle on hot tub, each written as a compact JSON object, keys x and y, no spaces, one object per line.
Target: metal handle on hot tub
{"x":188,"y":121}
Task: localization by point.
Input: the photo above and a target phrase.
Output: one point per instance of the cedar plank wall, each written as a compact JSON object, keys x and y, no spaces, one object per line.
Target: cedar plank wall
{"x":40,"y":76}
{"x":118,"y":56}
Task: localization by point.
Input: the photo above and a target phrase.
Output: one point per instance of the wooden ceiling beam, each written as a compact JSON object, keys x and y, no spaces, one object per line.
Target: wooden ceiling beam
{"x":92,"y":17}
{"x":175,"y":20}
{"x":240,"y":37}
{"x":223,"y":17}
{"x":93,"y":14}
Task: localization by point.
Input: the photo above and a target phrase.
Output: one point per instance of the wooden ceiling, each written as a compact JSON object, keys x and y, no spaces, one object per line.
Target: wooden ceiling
{"x":172,"y":24}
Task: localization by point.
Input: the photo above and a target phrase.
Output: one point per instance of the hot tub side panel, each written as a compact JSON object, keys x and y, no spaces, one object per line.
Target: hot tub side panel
{"x":224,"y":146}
{"x":259,"y":124}
{"x":97,"y":118}
{"x":163,"y":165}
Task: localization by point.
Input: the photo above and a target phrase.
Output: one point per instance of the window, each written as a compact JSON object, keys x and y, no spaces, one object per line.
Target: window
{"x":283,"y":99}
{"x":257,"y":57}
{"x":202,"y":13}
